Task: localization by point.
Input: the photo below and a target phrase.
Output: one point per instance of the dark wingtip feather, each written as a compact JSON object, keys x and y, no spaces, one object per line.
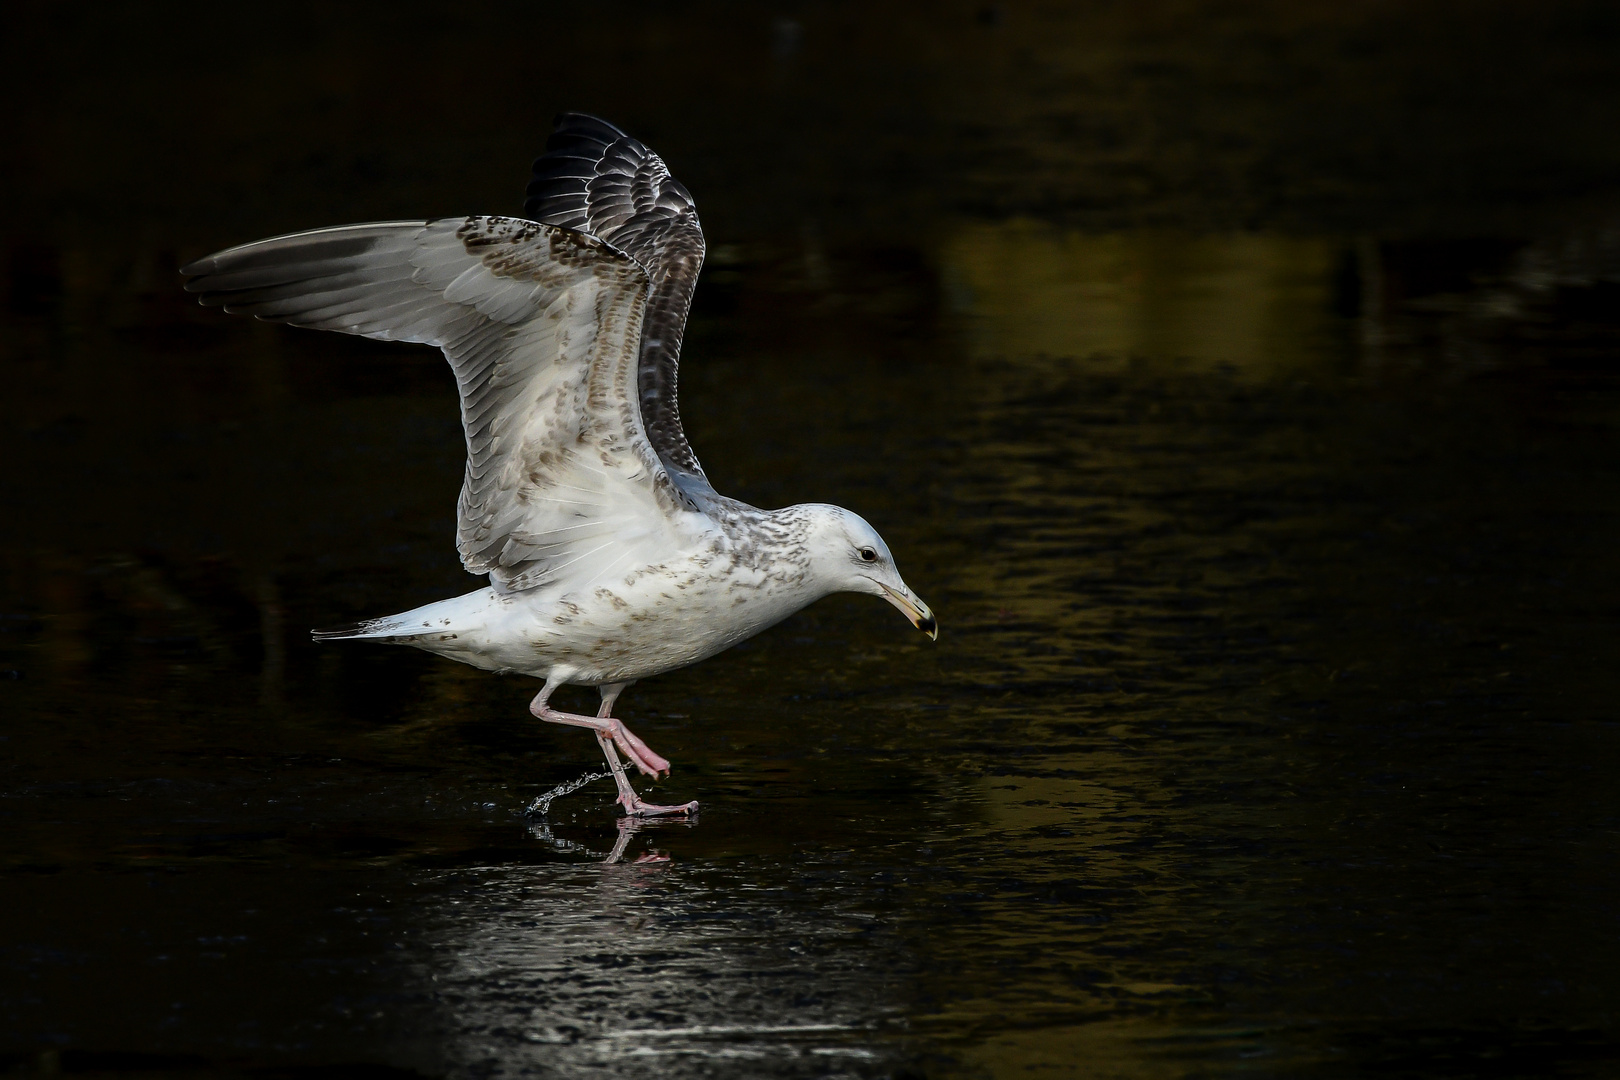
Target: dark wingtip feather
{"x":573,"y":155}
{"x":595,"y":178}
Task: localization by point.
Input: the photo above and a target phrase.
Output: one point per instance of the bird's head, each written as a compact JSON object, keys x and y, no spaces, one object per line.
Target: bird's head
{"x":848,"y":555}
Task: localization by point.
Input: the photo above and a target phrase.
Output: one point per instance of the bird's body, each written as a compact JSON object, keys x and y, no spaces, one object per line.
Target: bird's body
{"x":610,"y":556}
{"x":742,"y":573}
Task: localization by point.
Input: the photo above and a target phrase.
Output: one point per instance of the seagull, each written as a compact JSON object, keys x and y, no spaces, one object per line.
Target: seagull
{"x":610,"y":557}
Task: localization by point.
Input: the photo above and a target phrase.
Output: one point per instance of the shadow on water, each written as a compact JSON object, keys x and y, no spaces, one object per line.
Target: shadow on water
{"x":1270,"y":726}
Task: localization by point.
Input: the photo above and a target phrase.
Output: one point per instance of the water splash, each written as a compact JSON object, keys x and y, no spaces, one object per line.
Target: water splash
{"x":542,"y":805}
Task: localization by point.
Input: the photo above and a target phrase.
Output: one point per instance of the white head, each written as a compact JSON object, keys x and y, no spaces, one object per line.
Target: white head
{"x":847,"y":555}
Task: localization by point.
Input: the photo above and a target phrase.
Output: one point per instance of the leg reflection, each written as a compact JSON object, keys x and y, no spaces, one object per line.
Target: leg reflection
{"x":628,"y":827}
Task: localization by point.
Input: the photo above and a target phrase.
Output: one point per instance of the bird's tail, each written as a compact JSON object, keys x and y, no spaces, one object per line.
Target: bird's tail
{"x":388,"y":627}
{"x":444,"y":617}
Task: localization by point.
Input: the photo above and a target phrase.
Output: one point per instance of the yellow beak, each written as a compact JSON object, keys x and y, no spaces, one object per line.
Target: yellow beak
{"x":913,"y":609}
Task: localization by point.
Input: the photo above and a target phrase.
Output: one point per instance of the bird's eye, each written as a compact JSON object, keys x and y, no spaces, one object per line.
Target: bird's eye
{"x":868,"y":555}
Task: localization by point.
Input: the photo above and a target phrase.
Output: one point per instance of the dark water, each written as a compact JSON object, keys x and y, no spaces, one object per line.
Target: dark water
{"x":1238,"y":383}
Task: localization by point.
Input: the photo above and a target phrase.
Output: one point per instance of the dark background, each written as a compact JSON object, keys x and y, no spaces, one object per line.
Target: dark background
{"x":1237,"y":380}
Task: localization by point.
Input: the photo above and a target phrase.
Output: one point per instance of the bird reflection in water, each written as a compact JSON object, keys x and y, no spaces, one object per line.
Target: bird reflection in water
{"x":629,"y":826}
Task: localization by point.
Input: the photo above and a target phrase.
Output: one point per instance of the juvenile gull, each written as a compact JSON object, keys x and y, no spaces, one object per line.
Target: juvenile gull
{"x":610,"y":556}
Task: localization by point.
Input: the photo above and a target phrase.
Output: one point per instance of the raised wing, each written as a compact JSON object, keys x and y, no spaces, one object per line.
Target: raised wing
{"x":541,"y":326}
{"x":598,"y":180}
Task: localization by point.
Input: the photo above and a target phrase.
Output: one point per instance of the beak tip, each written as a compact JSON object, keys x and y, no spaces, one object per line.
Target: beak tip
{"x":912,"y":609}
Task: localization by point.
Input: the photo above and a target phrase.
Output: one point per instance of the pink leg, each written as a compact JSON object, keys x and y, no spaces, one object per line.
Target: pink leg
{"x":609,"y":732}
{"x":637,"y":751}
{"x":627,"y":795}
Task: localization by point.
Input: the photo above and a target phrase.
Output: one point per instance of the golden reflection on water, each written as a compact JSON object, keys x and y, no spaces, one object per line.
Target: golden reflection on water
{"x":1251,"y":301}
{"x":1117,"y":594}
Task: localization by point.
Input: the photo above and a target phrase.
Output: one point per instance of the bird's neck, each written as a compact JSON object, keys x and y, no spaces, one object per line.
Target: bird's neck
{"x":775,"y":543}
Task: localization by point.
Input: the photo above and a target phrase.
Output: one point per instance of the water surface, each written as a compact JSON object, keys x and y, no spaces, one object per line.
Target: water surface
{"x":1270,"y":727}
